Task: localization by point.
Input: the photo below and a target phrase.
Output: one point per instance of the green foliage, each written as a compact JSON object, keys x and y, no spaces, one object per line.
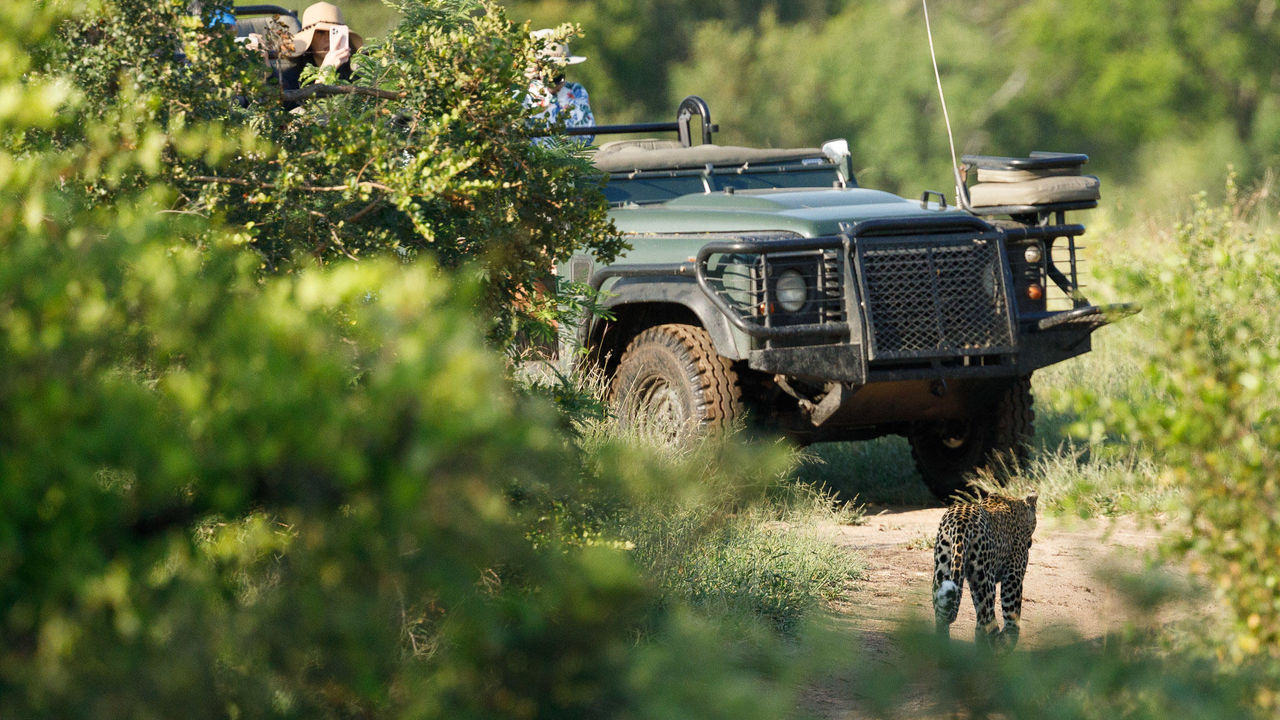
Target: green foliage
{"x":304,"y":495}
{"x":428,"y":153}
{"x":1106,"y":78}
{"x":1207,"y":405}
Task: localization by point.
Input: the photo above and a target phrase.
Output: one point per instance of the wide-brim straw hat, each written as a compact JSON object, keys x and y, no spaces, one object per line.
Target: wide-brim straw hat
{"x":552,"y":51}
{"x":319,"y":18}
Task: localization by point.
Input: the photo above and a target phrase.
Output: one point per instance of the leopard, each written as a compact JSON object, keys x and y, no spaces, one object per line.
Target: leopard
{"x":986,"y":541}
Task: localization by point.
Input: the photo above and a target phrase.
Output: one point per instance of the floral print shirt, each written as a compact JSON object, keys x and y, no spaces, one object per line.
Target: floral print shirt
{"x":569,"y":102}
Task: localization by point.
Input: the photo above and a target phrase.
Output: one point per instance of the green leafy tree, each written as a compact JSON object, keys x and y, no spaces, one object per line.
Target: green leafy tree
{"x":428,"y":152}
{"x":1141,"y":70}
{"x":864,"y":75}
{"x":1106,"y":78}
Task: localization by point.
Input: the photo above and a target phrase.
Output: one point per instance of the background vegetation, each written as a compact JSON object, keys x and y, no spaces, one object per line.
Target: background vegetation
{"x":1160,"y":97}
{"x":243,"y":476}
{"x":1174,"y":87}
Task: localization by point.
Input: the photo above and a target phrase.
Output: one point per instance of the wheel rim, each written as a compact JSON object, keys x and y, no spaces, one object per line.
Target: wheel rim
{"x":954,"y":436}
{"x":659,"y":410}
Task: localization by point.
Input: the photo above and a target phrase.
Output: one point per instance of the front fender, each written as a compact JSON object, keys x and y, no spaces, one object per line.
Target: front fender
{"x":684,"y":292}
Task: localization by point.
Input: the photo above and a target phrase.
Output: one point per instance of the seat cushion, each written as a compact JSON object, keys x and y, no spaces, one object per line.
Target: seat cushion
{"x":1012,"y":176}
{"x":1044,"y":191}
{"x":626,"y":157}
{"x":266,"y":26}
{"x":618,"y":146}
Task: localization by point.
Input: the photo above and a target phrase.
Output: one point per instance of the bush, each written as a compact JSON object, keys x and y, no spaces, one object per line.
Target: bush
{"x":287,"y":496}
{"x":1207,"y":405}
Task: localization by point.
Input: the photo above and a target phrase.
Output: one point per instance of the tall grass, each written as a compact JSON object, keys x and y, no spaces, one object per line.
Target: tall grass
{"x":769,"y":561}
{"x":727,"y":529}
{"x":732,"y":534}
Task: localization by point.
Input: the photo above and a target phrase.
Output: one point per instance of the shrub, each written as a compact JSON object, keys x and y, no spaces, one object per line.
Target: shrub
{"x":1208,"y":407}
{"x":225,"y":494}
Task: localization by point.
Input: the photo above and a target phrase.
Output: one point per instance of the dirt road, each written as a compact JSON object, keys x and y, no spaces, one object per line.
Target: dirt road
{"x":1061,"y":587}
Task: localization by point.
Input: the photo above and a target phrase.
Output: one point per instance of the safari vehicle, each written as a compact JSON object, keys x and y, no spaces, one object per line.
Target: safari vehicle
{"x":767,"y":281}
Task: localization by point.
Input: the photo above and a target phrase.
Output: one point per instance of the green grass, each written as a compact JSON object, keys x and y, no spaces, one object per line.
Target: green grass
{"x":724,"y":529}
{"x":770,"y":561}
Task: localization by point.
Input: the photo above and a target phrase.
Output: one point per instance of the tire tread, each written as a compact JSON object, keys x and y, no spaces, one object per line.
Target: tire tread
{"x":713,"y":374}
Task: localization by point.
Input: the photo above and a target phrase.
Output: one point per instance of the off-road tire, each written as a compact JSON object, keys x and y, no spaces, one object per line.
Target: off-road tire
{"x":994,"y":439}
{"x":671,"y":383}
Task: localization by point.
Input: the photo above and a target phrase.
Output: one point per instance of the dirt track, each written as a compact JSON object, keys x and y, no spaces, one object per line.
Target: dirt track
{"x":1060,"y":586}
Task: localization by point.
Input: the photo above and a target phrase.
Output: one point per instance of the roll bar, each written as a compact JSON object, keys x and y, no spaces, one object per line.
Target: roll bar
{"x":262,"y":10}
{"x":689,"y":107}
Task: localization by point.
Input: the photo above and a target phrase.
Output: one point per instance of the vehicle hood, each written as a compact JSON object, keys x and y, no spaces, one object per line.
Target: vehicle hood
{"x":808,"y":212}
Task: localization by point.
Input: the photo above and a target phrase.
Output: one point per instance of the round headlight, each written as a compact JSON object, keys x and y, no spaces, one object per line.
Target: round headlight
{"x":1033,"y":254}
{"x":791,"y":290}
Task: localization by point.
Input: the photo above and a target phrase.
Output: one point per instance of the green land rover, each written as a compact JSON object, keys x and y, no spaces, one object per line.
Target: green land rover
{"x":766,"y":282}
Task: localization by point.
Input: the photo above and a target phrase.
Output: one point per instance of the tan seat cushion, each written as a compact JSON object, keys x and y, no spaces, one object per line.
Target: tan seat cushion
{"x":618,"y":146}
{"x":1011,"y":176}
{"x":626,"y":156}
{"x":1044,"y":191}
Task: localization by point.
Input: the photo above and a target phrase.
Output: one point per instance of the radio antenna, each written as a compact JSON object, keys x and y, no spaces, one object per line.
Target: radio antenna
{"x":946,"y":117}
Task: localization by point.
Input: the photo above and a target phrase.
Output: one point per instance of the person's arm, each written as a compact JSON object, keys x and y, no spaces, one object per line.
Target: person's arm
{"x":580,"y":114}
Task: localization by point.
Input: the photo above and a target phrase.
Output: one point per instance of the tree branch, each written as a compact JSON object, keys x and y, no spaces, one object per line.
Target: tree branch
{"x":272,"y":186}
{"x":367,"y":209}
{"x":294,"y":96}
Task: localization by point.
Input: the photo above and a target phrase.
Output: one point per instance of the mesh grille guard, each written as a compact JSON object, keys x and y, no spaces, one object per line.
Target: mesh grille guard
{"x":935,"y":296}
{"x":915,"y":288}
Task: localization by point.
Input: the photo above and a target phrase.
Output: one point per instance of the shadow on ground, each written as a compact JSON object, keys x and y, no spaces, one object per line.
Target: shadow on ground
{"x":877,"y":471}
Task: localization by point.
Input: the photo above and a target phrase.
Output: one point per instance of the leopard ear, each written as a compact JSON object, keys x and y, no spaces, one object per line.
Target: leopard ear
{"x":1031,"y":499}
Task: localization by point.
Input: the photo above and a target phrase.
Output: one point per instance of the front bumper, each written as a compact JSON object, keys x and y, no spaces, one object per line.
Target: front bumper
{"x":894,"y":300}
{"x":1041,"y":342}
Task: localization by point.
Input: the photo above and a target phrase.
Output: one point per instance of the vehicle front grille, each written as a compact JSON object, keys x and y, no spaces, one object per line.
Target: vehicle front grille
{"x":832,"y":296}
{"x":934,"y":297}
